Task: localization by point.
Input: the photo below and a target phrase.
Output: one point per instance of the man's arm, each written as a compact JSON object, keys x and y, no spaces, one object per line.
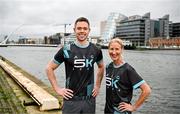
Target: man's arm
{"x":99,"y":77}
{"x":65,"y":93}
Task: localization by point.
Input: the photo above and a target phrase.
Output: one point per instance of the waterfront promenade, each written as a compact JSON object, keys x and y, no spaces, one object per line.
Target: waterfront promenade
{"x":14,"y":100}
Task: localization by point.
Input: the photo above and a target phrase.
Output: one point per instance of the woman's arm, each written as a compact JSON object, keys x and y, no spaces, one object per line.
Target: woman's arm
{"x":145,"y":92}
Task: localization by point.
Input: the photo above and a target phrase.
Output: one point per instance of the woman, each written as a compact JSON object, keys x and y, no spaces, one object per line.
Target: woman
{"x":121,"y":79}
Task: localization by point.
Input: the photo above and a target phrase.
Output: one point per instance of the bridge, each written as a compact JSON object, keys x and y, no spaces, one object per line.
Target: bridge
{"x":5,"y":40}
{"x":30,"y":45}
{"x":4,"y":44}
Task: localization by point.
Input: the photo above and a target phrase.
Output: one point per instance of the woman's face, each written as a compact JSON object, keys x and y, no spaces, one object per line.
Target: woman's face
{"x":115,"y":51}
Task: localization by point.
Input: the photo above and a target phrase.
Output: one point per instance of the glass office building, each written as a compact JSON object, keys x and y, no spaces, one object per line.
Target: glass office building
{"x":175,"y":29}
{"x":110,"y":27}
{"x":134,"y":29}
{"x":139,"y":29}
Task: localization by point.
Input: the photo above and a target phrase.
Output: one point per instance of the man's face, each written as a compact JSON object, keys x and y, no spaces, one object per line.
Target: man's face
{"x":81,"y":30}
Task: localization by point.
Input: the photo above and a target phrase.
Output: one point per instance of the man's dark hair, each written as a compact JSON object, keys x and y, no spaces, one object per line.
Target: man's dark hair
{"x":80,"y":19}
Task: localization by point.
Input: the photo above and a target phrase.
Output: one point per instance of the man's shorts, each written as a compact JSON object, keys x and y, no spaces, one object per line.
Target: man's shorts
{"x":79,"y":106}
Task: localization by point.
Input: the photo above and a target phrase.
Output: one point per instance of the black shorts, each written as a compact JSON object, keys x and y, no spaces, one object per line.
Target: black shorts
{"x":79,"y":106}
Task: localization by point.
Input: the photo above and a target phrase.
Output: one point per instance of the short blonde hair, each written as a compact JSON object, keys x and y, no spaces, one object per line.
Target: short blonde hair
{"x":118,"y":40}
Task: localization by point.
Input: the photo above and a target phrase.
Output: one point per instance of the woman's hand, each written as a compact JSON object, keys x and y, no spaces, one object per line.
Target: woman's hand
{"x":126,"y":107}
{"x":95,"y":91}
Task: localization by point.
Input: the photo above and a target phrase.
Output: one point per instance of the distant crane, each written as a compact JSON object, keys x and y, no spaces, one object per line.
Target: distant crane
{"x":65,"y":25}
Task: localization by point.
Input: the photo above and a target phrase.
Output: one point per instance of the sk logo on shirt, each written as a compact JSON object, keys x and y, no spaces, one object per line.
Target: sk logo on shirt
{"x":80,"y":63}
{"x":112,"y":82}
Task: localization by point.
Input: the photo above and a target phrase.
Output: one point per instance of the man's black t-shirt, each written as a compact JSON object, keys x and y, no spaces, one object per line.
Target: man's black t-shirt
{"x":79,"y":65}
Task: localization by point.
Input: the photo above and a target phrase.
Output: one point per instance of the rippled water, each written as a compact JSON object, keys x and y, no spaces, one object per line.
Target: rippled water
{"x":159,"y":68}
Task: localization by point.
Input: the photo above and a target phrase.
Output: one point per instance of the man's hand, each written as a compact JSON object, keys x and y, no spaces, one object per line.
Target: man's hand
{"x":65,"y":93}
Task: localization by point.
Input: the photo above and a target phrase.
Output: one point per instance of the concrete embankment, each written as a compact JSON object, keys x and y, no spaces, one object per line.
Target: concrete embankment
{"x":9,"y":102}
{"x":13,"y":99}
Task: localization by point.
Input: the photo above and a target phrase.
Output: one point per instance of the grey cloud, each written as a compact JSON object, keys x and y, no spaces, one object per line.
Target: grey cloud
{"x":41,"y":13}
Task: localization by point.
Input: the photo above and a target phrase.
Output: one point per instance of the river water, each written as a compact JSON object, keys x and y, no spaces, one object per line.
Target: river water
{"x":160,"y":69}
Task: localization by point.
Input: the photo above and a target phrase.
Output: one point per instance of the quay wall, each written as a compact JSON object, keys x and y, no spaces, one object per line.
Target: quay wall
{"x":25,"y":100}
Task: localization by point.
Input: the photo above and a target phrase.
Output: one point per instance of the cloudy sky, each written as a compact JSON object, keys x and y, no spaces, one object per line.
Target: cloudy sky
{"x":36,"y":18}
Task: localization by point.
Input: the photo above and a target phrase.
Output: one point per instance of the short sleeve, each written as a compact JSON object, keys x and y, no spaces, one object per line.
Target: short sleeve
{"x":59,"y":57}
{"x":99,"y":57}
{"x":135,"y":79}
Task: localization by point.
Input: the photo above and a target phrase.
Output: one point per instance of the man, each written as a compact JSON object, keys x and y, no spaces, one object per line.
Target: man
{"x":79,"y":58}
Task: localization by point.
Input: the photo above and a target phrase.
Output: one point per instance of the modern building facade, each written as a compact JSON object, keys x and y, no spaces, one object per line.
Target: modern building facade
{"x":175,"y":29}
{"x":139,"y":29}
{"x":102,"y":27}
{"x":164,"y":26}
{"x":110,"y":27}
{"x":136,"y":29}
{"x":155,"y":31}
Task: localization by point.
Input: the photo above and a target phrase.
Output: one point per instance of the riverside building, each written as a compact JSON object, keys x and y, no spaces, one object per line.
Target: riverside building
{"x":175,"y":29}
{"x":135,"y":29}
